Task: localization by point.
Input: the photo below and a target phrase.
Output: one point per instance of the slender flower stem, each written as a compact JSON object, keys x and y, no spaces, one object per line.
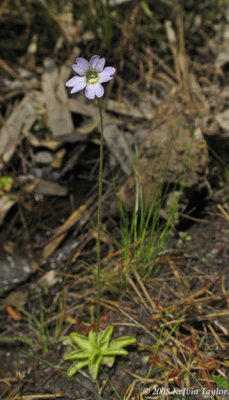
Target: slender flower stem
{"x":98,"y":241}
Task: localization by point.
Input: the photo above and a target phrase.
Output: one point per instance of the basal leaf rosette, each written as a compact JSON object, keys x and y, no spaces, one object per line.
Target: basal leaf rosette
{"x":96,"y":349}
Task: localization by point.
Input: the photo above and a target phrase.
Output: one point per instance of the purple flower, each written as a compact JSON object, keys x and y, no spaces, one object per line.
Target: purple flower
{"x":90,"y":76}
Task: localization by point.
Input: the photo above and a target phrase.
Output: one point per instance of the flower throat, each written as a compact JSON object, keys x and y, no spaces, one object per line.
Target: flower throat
{"x":92,"y":77}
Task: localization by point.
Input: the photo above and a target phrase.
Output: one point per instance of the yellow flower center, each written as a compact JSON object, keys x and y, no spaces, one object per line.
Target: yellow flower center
{"x":92,"y":77}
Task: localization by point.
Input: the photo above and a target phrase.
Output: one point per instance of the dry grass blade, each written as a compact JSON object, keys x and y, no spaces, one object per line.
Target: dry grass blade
{"x":146,"y":293}
{"x":224,"y":211}
{"x":216,"y":337}
{"x":38,"y":396}
{"x":142,"y":300}
{"x":177,"y":274}
{"x":9,"y":70}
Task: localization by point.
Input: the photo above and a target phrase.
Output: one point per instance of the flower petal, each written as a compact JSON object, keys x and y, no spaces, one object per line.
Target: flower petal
{"x":94,"y":90}
{"x":90,"y":92}
{"x":79,"y":69}
{"x":77,"y":82}
{"x":99,"y":90}
{"x":81,"y":66}
{"x":71,"y":82}
{"x":109,"y":70}
{"x":104,"y":76}
{"x":94,"y":61}
{"x":79,"y":87}
{"x":100,"y":65}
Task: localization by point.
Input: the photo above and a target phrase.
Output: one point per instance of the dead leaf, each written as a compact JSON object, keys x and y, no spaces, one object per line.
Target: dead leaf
{"x":49,"y":144}
{"x":113,"y":137}
{"x":223,"y":120}
{"x":87,"y":128}
{"x":16,"y":298}
{"x":118,"y":147}
{"x":129,"y":110}
{"x":47,"y":280}
{"x":51,"y":188}
{"x":57,"y":162}
{"x":6,"y":202}
{"x":20,"y":120}
{"x":59,"y":116}
{"x":31,"y":186}
{"x":43,"y":157}
{"x":46,"y":188}
{"x":62,"y":231}
{"x":223,"y":56}
{"x":165,"y":152}
{"x":79,"y":106}
{"x":66,"y":22}
{"x":13,"y":313}
{"x":9,"y":247}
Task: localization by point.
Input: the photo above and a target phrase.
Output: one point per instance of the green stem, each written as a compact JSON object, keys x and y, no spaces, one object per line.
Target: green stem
{"x":98,"y":241}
